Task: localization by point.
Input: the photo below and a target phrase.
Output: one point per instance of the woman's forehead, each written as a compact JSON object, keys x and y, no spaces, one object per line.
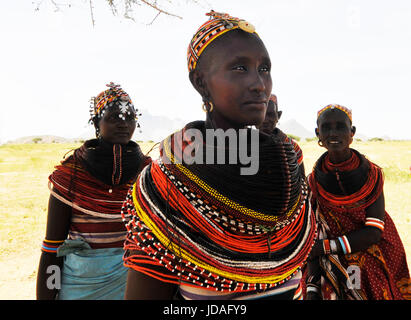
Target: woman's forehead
{"x":333,"y":115}
{"x":240,"y":40}
{"x":235,"y":45}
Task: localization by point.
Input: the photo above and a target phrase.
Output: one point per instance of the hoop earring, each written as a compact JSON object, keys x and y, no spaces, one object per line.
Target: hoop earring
{"x":211,"y":107}
{"x":204,"y":107}
{"x":320,"y":143}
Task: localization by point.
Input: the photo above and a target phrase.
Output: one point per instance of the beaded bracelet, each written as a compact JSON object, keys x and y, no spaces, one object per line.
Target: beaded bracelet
{"x":326,"y":246}
{"x":51,"y":246}
{"x":374,"y":222}
{"x":345,"y":244}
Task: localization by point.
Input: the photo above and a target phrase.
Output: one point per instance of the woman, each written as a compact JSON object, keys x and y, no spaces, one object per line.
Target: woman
{"x":85,"y":233}
{"x":359,"y":254}
{"x":272,"y":116}
{"x":201,"y":230}
{"x":269,"y":126}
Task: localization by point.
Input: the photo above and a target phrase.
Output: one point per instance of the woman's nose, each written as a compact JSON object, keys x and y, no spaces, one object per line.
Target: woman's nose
{"x":258,"y":83}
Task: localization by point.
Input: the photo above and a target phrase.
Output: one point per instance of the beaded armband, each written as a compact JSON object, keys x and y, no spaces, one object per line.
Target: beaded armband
{"x":374,"y":222}
{"x":345,"y":244}
{"x":326,"y":246}
{"x":51,"y":246}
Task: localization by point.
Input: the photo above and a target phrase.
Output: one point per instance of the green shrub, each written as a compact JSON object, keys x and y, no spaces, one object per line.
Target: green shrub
{"x":296,"y":138}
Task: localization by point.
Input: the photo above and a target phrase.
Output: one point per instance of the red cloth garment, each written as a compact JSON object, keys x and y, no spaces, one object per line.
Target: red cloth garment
{"x":384,"y":271}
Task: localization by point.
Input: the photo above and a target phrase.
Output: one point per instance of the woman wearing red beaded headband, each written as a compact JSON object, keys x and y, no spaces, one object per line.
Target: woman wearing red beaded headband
{"x":355,"y":230}
{"x":203,"y":230}
{"x":85,"y":232}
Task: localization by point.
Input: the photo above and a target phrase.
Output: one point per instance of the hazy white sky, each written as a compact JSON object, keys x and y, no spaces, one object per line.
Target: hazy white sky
{"x":355,"y":53}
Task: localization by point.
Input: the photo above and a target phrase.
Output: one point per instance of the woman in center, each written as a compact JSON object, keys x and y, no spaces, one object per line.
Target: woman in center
{"x":206,"y":231}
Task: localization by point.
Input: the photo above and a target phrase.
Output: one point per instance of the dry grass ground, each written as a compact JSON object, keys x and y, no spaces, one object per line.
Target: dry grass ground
{"x":24,"y":194}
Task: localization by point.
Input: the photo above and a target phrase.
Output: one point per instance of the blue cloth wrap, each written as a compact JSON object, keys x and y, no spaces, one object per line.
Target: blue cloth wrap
{"x":91,"y":274}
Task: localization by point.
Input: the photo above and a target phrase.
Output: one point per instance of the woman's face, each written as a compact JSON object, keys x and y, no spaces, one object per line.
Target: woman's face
{"x":271,"y":118}
{"x":335,"y":130}
{"x":116,"y":126}
{"x":236,"y":78}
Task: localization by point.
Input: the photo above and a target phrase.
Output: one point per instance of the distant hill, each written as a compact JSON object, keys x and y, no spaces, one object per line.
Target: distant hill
{"x":156,"y":128}
{"x":296,"y":129}
{"x":41,"y":139}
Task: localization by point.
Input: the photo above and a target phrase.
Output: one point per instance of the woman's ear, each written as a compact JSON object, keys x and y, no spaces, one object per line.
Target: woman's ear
{"x":353,"y":130}
{"x":197,"y":80}
{"x":317,"y":133}
{"x":279,"y":113}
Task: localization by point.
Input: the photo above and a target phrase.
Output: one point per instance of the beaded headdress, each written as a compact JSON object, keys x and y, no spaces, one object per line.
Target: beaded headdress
{"x":113,"y":96}
{"x":273,"y":98}
{"x":217,"y":25}
{"x":347,"y":111}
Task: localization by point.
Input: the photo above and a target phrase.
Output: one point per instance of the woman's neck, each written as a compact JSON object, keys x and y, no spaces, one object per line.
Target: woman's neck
{"x":222,"y":123}
{"x":339,"y":156}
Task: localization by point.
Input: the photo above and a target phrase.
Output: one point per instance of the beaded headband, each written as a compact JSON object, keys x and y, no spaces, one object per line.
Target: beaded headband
{"x":217,"y":25}
{"x":347,"y":111}
{"x":113,"y":96}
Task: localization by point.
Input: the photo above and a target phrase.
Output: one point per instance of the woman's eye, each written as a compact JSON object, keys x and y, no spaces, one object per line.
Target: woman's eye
{"x":240,"y":68}
{"x":265,"y":69}
{"x":342,"y":127}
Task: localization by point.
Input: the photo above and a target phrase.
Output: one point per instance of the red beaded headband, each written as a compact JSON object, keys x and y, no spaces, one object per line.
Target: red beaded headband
{"x":347,"y":111}
{"x":217,"y":25}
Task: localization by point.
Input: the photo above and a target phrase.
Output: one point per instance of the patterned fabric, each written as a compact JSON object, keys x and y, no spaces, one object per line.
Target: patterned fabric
{"x":347,"y":111}
{"x":384,"y":270}
{"x":216,"y":26}
{"x":185,"y":229}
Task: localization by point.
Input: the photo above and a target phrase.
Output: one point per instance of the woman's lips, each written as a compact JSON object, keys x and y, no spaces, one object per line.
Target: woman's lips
{"x":256,"y":104}
{"x":333,"y":142}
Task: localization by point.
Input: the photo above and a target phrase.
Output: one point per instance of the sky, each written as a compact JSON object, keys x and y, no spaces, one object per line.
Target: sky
{"x":350,"y":52}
